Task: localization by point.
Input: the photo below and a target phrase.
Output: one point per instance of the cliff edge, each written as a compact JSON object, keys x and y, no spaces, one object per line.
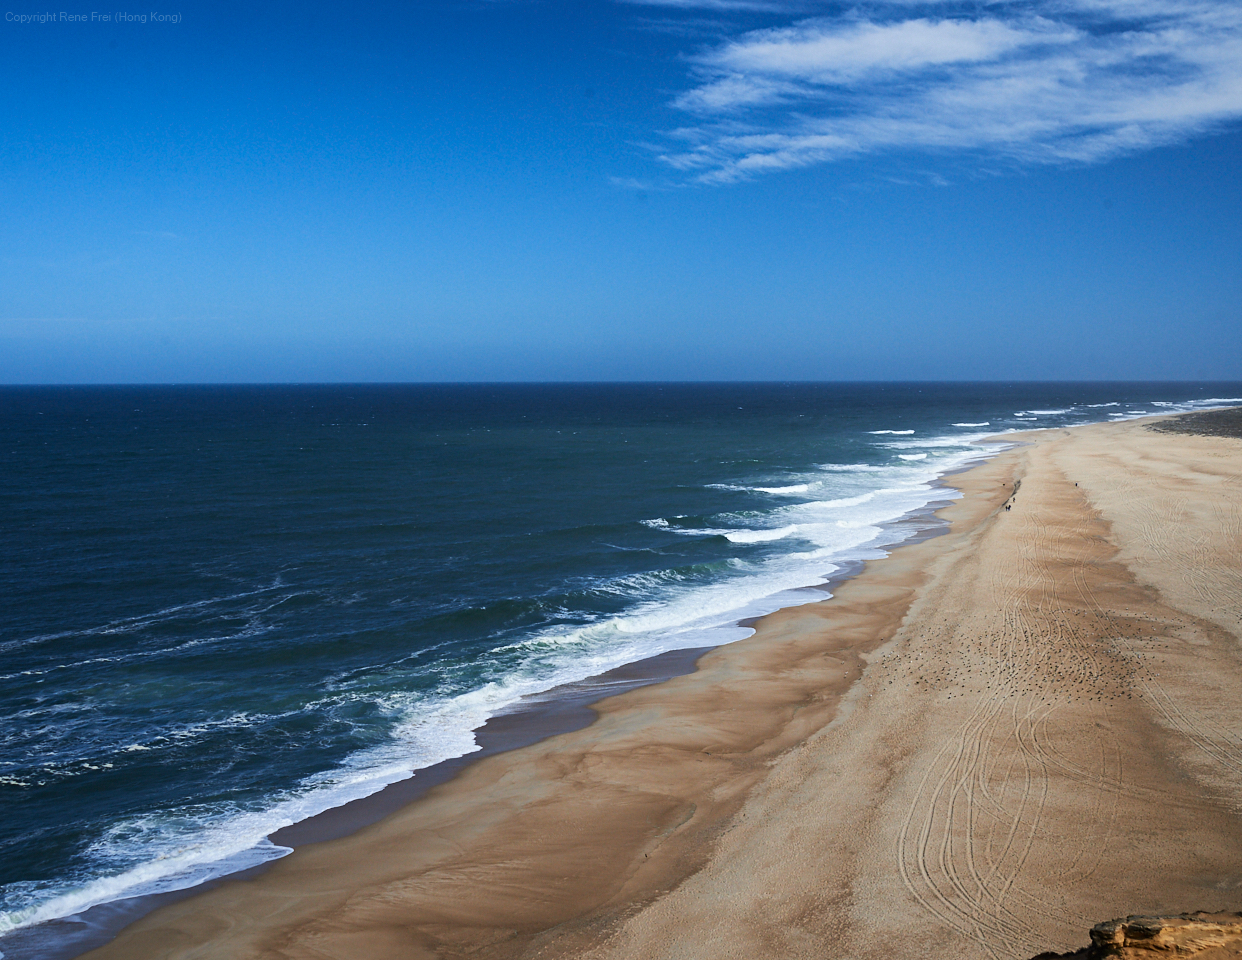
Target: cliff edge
{"x":1204,"y":936}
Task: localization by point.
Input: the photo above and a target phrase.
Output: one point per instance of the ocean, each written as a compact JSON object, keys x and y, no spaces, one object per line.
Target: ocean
{"x":229,"y":608}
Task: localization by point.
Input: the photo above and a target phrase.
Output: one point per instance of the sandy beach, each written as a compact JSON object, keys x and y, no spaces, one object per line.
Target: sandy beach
{"x":979,"y":747}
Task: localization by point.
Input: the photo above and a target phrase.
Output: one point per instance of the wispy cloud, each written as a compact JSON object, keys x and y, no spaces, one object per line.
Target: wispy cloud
{"x":637,"y":185}
{"x":1034,"y":81}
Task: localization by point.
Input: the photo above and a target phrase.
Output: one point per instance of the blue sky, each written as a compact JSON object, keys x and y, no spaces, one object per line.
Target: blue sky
{"x":667,"y":189}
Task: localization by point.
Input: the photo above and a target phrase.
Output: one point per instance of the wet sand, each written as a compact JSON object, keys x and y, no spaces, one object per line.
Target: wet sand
{"x":979,"y":747}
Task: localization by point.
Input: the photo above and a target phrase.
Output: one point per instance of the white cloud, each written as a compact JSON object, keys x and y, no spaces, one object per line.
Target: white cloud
{"x":736,"y":90}
{"x":824,"y":52}
{"x":1038,"y":81}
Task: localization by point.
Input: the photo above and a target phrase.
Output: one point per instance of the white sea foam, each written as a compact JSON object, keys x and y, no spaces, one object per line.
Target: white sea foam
{"x":792,"y":488}
{"x":894,"y":432}
{"x":175,"y":870}
{"x":740,"y":488}
{"x":1166,"y":407}
{"x":760,"y":536}
{"x":850,"y":467}
{"x":912,"y":456}
{"x":985,"y":423}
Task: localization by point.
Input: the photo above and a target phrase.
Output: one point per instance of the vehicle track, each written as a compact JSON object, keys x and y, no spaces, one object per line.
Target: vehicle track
{"x":975,"y":818}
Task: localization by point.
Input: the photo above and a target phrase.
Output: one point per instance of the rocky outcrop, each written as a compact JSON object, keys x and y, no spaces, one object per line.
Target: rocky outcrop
{"x":1205,"y":936}
{"x":1210,"y":423}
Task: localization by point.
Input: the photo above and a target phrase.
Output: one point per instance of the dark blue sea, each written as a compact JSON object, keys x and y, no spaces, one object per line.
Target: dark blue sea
{"x":226,"y":609}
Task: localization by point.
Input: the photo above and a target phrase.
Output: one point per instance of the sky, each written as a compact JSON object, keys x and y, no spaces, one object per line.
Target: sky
{"x":482,"y":190}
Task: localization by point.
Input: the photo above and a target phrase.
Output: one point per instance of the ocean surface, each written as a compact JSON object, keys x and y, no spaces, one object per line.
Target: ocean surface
{"x":226,"y":609}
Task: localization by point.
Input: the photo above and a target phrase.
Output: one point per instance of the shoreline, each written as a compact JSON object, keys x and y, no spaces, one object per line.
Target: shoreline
{"x":839,"y":677}
{"x":629,"y":836}
{"x":534,"y":719}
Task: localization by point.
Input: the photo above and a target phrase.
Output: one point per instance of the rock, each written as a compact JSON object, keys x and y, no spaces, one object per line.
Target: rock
{"x":1206,"y":936}
{"x":1211,"y":423}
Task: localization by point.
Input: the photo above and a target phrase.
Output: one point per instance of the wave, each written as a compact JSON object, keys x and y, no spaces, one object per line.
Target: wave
{"x":126,"y":624}
{"x":188,"y":868}
{"x":733,"y":534}
{"x":985,"y":423}
{"x":250,"y":631}
{"x":759,"y":536}
{"x":944,"y":444}
{"x":912,"y":456}
{"x":1167,"y":407}
{"x":894,"y":432}
{"x":850,"y":467}
{"x":791,"y":488}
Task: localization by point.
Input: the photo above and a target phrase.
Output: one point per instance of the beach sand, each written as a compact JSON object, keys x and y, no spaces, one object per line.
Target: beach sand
{"x":979,"y":747}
